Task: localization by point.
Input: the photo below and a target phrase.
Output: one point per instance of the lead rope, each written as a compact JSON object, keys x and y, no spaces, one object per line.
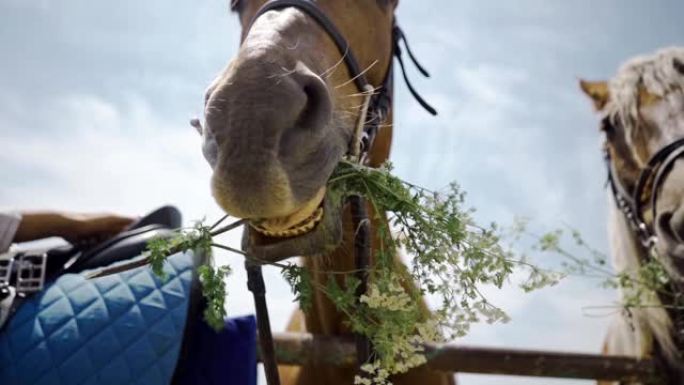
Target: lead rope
{"x":361,"y":223}
{"x":255,"y":284}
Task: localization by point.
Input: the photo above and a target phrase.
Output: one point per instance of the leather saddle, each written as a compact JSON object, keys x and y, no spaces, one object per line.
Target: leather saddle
{"x":119,"y":329}
{"x":23,"y":274}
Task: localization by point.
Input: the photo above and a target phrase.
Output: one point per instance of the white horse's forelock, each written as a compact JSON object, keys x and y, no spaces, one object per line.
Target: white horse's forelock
{"x":654,"y":73}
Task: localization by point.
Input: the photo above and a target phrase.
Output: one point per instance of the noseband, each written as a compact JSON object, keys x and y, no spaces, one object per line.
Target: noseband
{"x":651,"y":179}
{"x":375,"y":109}
{"x":378,"y":101}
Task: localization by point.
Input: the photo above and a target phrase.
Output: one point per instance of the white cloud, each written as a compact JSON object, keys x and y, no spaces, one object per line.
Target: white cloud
{"x":120,"y":158}
{"x":513,"y":130}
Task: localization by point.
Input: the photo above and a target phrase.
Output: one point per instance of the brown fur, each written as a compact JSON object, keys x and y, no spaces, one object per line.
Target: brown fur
{"x":324,"y":319}
{"x":276,"y":146}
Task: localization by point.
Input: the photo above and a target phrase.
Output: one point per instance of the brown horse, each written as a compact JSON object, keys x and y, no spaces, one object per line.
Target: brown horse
{"x":279,"y":118}
{"x":643,"y":123}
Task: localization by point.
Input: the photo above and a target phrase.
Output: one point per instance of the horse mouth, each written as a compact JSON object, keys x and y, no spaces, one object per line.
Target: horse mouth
{"x":314,"y":229}
{"x":298,"y":223}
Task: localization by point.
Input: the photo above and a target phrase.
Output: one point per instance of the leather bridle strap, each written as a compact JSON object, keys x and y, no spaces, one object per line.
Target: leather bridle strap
{"x":654,"y":174}
{"x":311,"y":9}
{"x":382,"y":97}
{"x":651,"y":178}
{"x":376,"y":107}
{"x":255,"y":284}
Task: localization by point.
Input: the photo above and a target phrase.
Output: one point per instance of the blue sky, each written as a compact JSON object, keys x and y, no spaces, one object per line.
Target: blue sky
{"x":95,"y":99}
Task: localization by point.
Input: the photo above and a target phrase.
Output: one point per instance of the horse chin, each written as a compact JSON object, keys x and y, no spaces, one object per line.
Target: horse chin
{"x":319,"y":233}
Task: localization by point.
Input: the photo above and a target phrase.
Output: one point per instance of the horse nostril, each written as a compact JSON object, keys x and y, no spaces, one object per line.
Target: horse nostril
{"x":318,"y":109}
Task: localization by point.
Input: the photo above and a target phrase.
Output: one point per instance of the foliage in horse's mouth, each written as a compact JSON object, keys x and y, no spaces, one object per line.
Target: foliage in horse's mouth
{"x":452,"y":258}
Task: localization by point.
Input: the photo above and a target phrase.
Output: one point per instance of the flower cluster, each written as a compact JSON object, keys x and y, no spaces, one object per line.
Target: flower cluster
{"x":372,"y":374}
{"x":394,"y":299}
{"x":451,"y":259}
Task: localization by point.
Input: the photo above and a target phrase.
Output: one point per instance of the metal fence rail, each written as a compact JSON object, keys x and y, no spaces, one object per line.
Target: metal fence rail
{"x":307,"y":349}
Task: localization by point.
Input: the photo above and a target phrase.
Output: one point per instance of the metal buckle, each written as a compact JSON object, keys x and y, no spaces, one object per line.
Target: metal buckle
{"x":6,"y":262}
{"x":7,"y":297}
{"x":31,"y":272}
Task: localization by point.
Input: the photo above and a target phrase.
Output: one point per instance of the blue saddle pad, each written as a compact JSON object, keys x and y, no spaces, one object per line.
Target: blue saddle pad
{"x":122,"y":329}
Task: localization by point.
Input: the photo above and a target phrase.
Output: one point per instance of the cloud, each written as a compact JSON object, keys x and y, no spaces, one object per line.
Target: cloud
{"x":95,"y":100}
{"x":100,"y":156}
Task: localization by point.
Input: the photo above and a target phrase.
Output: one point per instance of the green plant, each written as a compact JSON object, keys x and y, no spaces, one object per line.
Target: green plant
{"x":646,"y":285}
{"x":452,"y":258}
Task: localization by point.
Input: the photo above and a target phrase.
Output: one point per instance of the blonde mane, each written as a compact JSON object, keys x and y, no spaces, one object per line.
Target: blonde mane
{"x":654,"y":74}
{"x":637,"y":330}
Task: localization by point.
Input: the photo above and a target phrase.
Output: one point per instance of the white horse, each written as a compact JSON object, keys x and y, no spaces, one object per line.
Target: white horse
{"x":643,"y":122}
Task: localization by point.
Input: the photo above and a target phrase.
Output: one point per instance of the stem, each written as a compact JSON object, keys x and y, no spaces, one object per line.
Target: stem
{"x":228,"y":248}
{"x":249,"y":257}
{"x":229,"y":227}
{"x":218,"y":222}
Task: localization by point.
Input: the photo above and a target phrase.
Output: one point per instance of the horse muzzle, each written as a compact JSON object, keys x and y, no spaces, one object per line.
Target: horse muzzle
{"x":318,"y":234}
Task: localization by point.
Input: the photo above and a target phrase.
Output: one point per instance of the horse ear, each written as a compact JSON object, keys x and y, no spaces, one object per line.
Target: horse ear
{"x":197,"y":124}
{"x":597,"y":91}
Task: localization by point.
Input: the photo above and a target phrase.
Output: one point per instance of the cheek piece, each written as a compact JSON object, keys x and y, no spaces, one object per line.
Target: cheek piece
{"x":375,"y":109}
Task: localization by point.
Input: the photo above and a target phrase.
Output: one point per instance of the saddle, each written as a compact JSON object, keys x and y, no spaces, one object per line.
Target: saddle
{"x":127,"y":328}
{"x":23,"y":274}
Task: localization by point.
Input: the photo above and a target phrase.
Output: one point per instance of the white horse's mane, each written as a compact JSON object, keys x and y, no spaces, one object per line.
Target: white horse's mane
{"x":657,"y":75}
{"x":645,"y":324}
{"x":654,"y":73}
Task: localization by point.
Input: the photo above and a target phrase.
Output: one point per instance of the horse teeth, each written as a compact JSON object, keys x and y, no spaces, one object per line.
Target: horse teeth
{"x":302,"y":228}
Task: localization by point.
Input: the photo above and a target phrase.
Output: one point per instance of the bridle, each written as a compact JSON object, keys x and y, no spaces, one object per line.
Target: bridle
{"x":633,"y":205}
{"x":375,"y":109}
{"x":378,"y":100}
{"x":651,"y":178}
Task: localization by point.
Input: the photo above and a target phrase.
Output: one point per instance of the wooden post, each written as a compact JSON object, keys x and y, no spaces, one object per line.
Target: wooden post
{"x":303,"y":348}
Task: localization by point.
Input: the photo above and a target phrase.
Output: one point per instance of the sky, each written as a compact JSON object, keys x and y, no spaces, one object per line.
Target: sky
{"x":95,"y":99}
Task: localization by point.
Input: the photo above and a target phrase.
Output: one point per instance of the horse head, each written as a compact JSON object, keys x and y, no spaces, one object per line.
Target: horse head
{"x":282,"y":114}
{"x":643,"y":109}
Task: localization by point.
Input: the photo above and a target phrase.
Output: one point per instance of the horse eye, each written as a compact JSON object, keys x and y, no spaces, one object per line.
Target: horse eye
{"x":235,"y":5}
{"x":607,"y":125}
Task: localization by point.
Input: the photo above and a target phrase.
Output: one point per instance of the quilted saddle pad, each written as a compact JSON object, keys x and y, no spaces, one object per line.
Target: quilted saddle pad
{"x":122,"y":329}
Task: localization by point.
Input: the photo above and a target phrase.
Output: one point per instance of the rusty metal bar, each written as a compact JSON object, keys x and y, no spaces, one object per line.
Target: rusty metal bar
{"x":307,"y":349}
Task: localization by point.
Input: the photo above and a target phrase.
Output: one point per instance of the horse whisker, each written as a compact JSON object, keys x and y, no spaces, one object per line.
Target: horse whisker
{"x":361,"y":94}
{"x":332,"y":69}
{"x":286,"y":72}
{"x":357,"y":76}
